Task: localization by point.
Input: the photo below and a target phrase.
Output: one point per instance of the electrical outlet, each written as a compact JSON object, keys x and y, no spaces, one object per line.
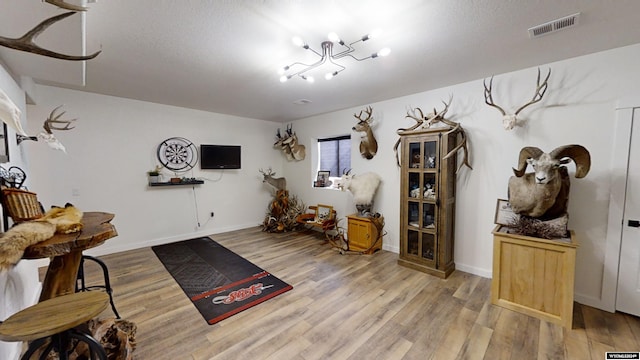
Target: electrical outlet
{"x":212,"y":214}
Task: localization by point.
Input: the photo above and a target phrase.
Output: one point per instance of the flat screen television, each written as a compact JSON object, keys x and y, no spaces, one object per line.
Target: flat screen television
{"x":220,"y":156}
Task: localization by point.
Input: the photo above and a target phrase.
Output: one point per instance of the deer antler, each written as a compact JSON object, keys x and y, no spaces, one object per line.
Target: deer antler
{"x":368,"y":111}
{"x":509,"y":120}
{"x":26,"y":42}
{"x":53,"y":119}
{"x":540,"y":90}
{"x":63,"y":5}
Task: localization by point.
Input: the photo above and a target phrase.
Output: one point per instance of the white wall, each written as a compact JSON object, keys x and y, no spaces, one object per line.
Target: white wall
{"x":19,"y":287}
{"x":114,"y":144}
{"x":579,"y":108}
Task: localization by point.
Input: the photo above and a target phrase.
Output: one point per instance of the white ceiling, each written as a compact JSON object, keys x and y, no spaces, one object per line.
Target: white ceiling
{"x":222,"y":56}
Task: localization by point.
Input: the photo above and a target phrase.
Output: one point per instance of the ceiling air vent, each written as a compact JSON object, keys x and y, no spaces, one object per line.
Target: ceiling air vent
{"x":302,"y":102}
{"x":555,"y":25}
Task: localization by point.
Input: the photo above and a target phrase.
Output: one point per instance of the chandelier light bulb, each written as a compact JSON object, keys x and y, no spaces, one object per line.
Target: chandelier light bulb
{"x":283,"y":78}
{"x":310,"y":79}
{"x":328,"y":76}
{"x":333,"y":37}
{"x":297,"y":41}
{"x":384,"y":52}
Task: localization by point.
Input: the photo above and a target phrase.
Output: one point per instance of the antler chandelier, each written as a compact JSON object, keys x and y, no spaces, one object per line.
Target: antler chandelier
{"x":327,"y":55}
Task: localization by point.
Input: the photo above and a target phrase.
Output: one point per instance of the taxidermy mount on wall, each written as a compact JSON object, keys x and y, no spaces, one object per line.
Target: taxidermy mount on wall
{"x":368,"y":143}
{"x":48,"y":126}
{"x":289,"y":144}
{"x":544,"y":194}
{"x":509,"y":121}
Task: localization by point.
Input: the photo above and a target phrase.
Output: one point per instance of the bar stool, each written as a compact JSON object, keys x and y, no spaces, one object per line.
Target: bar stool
{"x":51,"y":325}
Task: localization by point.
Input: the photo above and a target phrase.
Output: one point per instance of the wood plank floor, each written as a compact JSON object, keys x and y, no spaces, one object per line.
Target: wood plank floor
{"x":348,"y":307}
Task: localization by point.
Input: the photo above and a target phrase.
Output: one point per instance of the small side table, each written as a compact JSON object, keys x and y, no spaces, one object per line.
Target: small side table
{"x":363,"y":234}
{"x":66,"y":253}
{"x":534,"y":276}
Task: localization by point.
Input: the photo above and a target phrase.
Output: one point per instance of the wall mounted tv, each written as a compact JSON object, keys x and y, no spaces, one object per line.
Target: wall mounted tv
{"x":220,"y":156}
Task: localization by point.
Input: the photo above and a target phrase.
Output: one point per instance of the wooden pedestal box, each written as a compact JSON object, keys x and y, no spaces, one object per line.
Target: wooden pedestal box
{"x":363,"y":234}
{"x":534,"y":276}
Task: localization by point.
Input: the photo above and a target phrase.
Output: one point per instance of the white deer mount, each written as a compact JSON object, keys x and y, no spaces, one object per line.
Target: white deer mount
{"x":509,"y":121}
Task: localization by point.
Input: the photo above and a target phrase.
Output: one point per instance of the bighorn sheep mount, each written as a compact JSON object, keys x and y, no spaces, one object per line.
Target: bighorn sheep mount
{"x":427,"y":121}
{"x":49,"y":125}
{"x":544,"y":193}
{"x":363,"y":187}
{"x":289,"y":144}
{"x":368,"y":143}
{"x":509,"y":121}
{"x":26,"y":41}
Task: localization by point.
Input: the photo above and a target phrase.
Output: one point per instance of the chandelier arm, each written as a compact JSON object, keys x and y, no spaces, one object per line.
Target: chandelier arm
{"x":358,"y":59}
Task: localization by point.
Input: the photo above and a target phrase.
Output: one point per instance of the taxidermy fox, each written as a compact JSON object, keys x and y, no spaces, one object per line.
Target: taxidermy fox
{"x":57,"y":220}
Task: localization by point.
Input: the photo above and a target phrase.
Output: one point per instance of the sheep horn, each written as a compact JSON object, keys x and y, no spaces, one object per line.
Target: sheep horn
{"x":526,"y":153}
{"x":578,"y":154}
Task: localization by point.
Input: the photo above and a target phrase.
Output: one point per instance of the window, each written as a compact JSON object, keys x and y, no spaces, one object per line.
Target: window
{"x":334,"y":155}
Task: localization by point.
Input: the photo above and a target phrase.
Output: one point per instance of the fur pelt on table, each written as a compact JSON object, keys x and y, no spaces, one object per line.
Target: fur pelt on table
{"x":57,"y":220}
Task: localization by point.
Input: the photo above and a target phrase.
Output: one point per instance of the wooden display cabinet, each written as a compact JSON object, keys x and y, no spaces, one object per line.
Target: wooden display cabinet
{"x":363,"y":234}
{"x":427,"y":201}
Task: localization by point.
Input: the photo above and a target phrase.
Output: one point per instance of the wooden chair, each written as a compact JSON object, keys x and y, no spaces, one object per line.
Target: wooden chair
{"x":51,"y":325}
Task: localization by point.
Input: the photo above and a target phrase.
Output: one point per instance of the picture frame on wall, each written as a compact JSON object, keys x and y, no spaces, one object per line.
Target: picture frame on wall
{"x":4,"y":145}
{"x":504,"y":214}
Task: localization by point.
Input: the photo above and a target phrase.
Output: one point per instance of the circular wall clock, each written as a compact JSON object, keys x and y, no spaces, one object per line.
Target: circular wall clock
{"x":177,"y":154}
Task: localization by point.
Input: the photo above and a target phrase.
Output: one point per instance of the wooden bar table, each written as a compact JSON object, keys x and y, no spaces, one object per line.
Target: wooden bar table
{"x":65,"y":251}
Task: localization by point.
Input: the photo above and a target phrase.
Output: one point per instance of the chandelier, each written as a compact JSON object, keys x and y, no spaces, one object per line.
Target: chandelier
{"x":327,"y":55}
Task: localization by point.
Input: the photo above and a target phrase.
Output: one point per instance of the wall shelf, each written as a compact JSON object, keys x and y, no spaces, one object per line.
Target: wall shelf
{"x":167,"y":183}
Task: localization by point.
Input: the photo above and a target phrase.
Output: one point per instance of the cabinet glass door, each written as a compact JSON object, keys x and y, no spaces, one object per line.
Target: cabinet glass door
{"x":413,"y":214}
{"x":414,"y":185}
{"x":429,"y":216}
{"x":412,"y":242}
{"x":428,"y":246}
{"x":429,"y":186}
{"x":430,"y":154}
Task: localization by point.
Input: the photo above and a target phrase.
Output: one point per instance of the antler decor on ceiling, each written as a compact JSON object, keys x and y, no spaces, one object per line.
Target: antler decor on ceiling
{"x":26,"y":41}
{"x":509,"y":121}
{"x":427,"y":121}
{"x":49,"y":125}
{"x":63,"y":5}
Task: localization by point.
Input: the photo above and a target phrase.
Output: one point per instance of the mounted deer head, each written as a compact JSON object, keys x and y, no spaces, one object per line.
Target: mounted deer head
{"x":26,"y":41}
{"x":278,"y":183}
{"x":509,"y":121}
{"x":368,"y":143}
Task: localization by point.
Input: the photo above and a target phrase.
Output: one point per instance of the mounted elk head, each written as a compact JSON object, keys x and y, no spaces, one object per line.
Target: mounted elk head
{"x":509,"y":121}
{"x":368,"y":143}
{"x":278,"y":183}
